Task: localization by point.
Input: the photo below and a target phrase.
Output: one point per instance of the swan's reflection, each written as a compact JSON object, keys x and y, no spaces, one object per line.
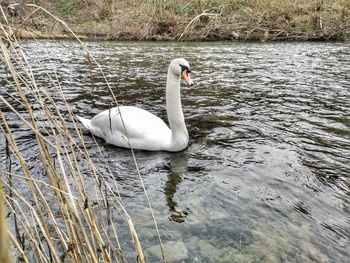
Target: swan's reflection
{"x":178,"y":167}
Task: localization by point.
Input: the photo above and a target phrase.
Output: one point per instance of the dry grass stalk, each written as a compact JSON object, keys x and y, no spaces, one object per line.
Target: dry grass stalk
{"x":62,"y":226}
{"x":5,"y":255}
{"x":194,"y":20}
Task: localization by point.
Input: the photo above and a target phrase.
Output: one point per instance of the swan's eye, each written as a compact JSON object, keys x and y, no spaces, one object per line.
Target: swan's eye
{"x":183,"y":68}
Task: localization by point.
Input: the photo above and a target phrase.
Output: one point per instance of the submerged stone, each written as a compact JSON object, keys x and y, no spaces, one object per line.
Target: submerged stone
{"x":174,"y":251}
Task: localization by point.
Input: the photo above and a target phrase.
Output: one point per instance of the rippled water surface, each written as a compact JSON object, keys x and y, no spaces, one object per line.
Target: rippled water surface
{"x":266,"y":177}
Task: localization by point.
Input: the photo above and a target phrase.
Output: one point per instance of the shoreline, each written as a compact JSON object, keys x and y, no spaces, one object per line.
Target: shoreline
{"x":38,"y":35}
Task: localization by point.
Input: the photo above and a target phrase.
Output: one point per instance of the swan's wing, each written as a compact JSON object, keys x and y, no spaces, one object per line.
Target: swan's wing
{"x":141,"y":126}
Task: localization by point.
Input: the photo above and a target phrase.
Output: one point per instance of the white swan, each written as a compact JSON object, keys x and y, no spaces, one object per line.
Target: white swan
{"x":145,"y":130}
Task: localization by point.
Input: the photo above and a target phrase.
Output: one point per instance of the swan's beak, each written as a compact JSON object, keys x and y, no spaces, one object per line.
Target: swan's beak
{"x":187,"y":78}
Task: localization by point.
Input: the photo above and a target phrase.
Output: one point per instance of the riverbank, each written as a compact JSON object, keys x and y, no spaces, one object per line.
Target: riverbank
{"x":261,"y":20}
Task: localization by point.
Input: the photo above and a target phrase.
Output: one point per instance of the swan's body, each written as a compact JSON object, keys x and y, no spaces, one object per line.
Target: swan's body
{"x":145,"y":130}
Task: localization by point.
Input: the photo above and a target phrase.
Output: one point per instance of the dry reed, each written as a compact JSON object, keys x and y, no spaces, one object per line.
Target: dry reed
{"x":5,"y":255}
{"x":55,"y":218}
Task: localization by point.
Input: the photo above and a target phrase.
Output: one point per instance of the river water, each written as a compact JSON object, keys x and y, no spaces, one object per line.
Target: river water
{"x":266,"y":177}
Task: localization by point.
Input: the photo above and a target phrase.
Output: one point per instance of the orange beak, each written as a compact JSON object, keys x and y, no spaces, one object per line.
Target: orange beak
{"x":187,"y":78}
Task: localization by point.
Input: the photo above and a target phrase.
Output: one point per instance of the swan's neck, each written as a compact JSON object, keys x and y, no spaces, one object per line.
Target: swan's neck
{"x":174,"y":110}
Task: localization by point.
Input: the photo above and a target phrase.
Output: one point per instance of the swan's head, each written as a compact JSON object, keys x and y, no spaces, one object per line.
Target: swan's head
{"x":180,"y":67}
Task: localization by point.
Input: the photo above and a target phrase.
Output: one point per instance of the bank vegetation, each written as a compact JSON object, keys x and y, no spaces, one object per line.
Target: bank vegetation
{"x":189,"y":19}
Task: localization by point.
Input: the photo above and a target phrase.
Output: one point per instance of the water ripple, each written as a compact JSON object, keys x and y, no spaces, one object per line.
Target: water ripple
{"x":267,"y":175}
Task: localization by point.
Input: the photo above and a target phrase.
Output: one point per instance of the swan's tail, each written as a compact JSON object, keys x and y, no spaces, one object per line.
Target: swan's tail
{"x":85,"y":122}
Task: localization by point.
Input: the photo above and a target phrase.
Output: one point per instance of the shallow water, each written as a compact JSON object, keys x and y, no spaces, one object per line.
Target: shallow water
{"x":266,"y":177}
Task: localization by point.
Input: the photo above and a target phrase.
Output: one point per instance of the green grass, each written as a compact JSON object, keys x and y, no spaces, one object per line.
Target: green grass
{"x":69,"y":7}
